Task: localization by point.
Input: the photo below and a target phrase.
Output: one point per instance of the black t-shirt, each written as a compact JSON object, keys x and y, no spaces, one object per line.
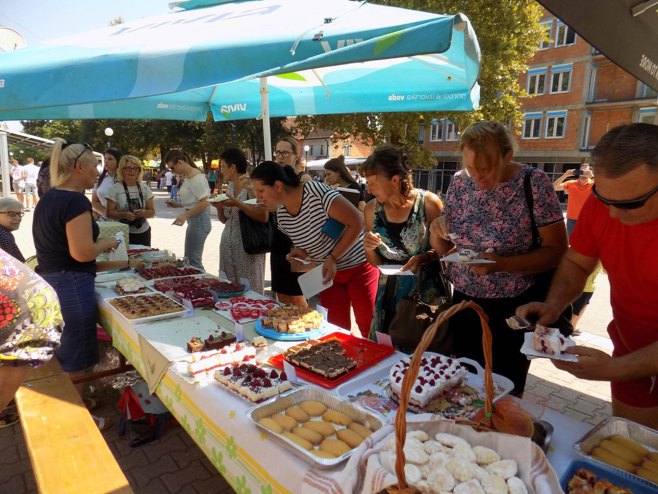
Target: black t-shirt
{"x":55,"y":209}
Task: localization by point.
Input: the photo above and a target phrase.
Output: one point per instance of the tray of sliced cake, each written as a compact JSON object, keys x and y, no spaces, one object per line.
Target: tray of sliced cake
{"x":252,"y":381}
{"x":165,"y":270}
{"x":197,"y":289}
{"x":445,"y":386}
{"x":316,"y":426}
{"x":146,"y":307}
{"x":332,"y":359}
{"x":291,"y":323}
{"x":201,"y":366}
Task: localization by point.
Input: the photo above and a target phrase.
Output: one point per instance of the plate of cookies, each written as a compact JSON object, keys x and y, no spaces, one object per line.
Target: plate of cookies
{"x":318,"y":427}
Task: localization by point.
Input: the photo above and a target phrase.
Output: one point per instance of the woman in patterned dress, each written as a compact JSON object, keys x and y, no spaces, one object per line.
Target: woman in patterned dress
{"x":30,"y":325}
{"x":233,"y":260}
{"x":486,"y":208}
{"x":397,"y":232}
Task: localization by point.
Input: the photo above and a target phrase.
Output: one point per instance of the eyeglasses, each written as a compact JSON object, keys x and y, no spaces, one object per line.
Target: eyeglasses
{"x":131,"y":168}
{"x":87,"y":147}
{"x":629,"y":204}
{"x":13,"y":214}
{"x":283,"y":154}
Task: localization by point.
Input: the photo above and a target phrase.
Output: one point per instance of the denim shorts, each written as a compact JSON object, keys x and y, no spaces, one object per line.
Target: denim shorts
{"x":78,"y":348}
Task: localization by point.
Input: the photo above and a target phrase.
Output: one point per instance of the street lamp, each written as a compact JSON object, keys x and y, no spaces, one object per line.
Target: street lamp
{"x":109,"y":133}
{"x":307,"y":148}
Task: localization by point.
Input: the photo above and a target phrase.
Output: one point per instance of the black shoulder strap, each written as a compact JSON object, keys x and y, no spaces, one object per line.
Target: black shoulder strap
{"x":527,"y":186}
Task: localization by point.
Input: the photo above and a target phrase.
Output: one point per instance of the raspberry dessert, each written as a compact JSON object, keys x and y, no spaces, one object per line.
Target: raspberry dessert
{"x":548,"y":340}
{"x":252,"y":381}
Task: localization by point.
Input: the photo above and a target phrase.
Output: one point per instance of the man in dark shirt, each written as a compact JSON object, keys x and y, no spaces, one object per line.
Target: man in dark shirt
{"x":11,"y":214}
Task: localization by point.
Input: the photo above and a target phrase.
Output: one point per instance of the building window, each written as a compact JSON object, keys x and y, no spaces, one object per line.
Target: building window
{"x":321,"y":149}
{"x":560,"y":79}
{"x":310,"y":150}
{"x":536,"y":81}
{"x":532,"y":125}
{"x":591,"y":89}
{"x":647,"y":115}
{"x":443,"y":129}
{"x":556,"y":124}
{"x":584,"y":138}
{"x":647,"y":92}
{"x":346,"y":150}
{"x":564,"y":35}
{"x":546,"y":44}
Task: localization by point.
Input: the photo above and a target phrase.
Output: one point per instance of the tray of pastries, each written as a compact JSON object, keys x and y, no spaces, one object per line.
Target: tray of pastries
{"x":316,"y":426}
{"x":147,"y":307}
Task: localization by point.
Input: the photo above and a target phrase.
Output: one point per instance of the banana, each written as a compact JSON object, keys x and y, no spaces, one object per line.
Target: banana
{"x":611,"y":459}
{"x":622,"y":452}
{"x":630,"y":444}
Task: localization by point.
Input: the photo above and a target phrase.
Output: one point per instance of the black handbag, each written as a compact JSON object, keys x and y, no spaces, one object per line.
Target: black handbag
{"x":257,"y":236}
{"x":413,"y":317}
{"x":543,"y":280}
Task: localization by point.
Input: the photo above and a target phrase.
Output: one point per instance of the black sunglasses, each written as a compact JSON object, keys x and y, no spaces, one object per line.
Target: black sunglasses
{"x":84,"y":144}
{"x":629,"y":204}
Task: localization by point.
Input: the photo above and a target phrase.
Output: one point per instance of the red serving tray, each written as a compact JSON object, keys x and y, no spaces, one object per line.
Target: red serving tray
{"x":366,"y":353}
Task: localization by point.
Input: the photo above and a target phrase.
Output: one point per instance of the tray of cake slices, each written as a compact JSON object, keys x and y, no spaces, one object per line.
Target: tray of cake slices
{"x":452,"y":388}
{"x":155,"y":270}
{"x":197,"y":289}
{"x":291,"y":323}
{"x":628,"y":448}
{"x":332,"y":359}
{"x":248,"y":307}
{"x":147,"y":307}
{"x":316,"y":426}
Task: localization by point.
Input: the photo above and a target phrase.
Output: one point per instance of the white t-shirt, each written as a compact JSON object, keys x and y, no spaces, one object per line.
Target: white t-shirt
{"x":17,"y":173}
{"x":117,"y":194}
{"x":168,"y":177}
{"x":31,"y":172}
{"x":193,"y":190}
{"x":102,"y":189}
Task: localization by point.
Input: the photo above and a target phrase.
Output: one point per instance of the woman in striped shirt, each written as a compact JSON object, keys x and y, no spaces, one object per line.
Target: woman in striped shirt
{"x":303,"y":209}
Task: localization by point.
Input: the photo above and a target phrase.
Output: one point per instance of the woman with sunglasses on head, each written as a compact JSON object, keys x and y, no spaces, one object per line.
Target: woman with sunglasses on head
{"x":107,"y":179}
{"x":194,"y":195}
{"x":284,"y":281}
{"x":303,"y":211}
{"x":487,"y":211}
{"x":131,"y":201}
{"x":11,"y":214}
{"x":67,"y":245}
{"x":336,"y":175}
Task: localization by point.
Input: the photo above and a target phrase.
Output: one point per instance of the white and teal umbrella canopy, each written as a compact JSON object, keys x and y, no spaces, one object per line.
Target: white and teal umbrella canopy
{"x":320,"y":57}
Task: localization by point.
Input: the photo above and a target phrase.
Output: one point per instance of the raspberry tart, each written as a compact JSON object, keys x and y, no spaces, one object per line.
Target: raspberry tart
{"x":252,"y":381}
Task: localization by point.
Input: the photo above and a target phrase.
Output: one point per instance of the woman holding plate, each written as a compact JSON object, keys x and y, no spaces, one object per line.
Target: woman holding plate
{"x":234,"y":262}
{"x":487,"y":211}
{"x":304,"y":210}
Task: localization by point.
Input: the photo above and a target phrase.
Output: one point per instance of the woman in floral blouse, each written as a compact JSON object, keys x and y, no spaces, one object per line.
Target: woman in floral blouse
{"x":486,"y":210}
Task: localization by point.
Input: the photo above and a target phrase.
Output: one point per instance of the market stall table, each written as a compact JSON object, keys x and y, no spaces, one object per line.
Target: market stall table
{"x":217,"y":420}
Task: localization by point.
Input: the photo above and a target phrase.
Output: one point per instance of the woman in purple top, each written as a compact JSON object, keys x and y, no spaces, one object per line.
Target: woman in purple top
{"x":486,"y":210}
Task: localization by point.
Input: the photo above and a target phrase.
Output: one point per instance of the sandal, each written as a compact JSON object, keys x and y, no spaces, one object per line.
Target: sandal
{"x":103,"y":423}
{"x":8,"y":418}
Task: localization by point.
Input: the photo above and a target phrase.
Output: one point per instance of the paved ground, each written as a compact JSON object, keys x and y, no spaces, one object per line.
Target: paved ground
{"x":175,"y":465}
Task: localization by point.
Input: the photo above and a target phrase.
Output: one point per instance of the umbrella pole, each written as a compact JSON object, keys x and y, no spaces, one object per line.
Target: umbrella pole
{"x":265,"y":112}
{"x":4,"y":163}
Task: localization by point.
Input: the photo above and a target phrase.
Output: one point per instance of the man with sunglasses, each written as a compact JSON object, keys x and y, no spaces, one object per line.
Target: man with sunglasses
{"x":618,"y":226}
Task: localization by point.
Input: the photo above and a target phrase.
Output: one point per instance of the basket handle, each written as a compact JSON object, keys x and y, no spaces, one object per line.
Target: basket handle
{"x":412,"y":373}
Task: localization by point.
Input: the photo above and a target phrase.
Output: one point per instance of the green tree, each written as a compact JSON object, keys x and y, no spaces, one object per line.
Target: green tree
{"x":508,"y":32}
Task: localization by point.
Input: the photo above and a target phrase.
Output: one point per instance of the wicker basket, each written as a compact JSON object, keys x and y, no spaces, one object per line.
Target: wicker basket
{"x":412,"y":374}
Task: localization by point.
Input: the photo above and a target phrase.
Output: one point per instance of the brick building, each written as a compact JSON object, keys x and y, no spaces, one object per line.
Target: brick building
{"x":577,"y":96}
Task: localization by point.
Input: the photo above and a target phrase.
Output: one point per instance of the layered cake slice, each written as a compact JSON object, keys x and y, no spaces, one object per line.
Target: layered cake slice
{"x":437,"y":376}
{"x":548,"y":340}
{"x":129,"y":286}
{"x":252,"y":381}
{"x":204,"y":364}
{"x":215,"y":342}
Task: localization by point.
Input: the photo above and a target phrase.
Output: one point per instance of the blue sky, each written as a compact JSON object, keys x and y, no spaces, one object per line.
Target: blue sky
{"x":40,"y":20}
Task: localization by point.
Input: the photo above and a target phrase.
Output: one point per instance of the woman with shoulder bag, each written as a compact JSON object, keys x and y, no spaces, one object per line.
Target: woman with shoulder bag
{"x":233,"y":259}
{"x":130,"y":201}
{"x":486,"y":211}
{"x":397,"y":232}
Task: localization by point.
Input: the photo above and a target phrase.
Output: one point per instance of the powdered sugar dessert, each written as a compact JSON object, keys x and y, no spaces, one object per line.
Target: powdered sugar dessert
{"x":252,"y":381}
{"x":127,"y":286}
{"x":437,"y":376}
{"x":549,"y":340}
{"x":204,"y":364}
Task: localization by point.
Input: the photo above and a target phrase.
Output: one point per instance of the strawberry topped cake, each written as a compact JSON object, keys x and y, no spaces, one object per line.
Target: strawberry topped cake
{"x":437,"y":376}
{"x":549,"y":340}
{"x":252,"y":381}
{"x":203,"y":364}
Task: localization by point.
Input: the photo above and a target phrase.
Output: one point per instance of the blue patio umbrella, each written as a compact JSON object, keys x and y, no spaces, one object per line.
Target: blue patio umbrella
{"x":174,"y":55}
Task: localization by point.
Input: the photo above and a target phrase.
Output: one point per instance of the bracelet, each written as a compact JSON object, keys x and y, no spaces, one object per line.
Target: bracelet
{"x":332,"y":256}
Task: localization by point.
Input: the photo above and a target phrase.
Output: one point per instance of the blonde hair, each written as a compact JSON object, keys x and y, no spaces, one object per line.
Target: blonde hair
{"x":490,"y":141}
{"x":63,"y":157}
{"x":128,"y":159}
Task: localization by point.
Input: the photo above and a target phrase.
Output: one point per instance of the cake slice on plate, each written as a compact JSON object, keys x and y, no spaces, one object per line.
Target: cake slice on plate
{"x":548,"y":340}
